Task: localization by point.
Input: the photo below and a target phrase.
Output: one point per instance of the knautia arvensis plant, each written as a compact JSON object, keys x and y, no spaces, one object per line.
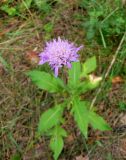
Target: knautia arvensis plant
{"x":59,"y":53}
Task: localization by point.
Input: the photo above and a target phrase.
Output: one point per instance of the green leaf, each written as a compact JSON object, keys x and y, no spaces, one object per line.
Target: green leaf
{"x":56,"y":146}
{"x":56,"y":142}
{"x":83,"y":116}
{"x":122,"y":106}
{"x":98,"y":122}
{"x":45,"y":81}
{"x":74,"y":74}
{"x":90,"y":33}
{"x":61,"y":131}
{"x":11,"y":11}
{"x":87,"y":85}
{"x":43,"y":5}
{"x":83,"y":87}
{"x":89,"y":66}
{"x":48,"y":27}
{"x":80,"y":113}
{"x":26,"y":4}
{"x":50,"y":118}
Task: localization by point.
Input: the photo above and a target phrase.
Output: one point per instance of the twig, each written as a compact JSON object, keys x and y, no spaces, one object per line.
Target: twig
{"x":108,"y":70}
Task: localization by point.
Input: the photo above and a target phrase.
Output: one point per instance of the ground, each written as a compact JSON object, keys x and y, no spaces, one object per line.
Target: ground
{"x":21,"y":102}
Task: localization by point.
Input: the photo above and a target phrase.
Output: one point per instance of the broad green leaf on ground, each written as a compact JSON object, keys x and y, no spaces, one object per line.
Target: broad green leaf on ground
{"x":98,"y":122}
{"x":89,"y":66}
{"x":80,"y":113}
{"x":56,"y":142}
{"x":45,"y":81}
{"x":74,"y":74}
{"x":50,"y":118}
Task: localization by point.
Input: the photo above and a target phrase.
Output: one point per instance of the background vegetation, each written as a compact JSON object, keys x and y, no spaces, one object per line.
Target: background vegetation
{"x":25,"y":26}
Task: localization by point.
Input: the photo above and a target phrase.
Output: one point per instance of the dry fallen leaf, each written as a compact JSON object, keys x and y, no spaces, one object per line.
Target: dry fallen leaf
{"x":32,"y":57}
{"x":82,"y":158}
{"x":117,"y":79}
{"x":70,"y":138}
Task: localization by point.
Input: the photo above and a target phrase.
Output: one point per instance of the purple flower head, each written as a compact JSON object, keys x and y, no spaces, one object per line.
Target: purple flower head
{"x":59,"y":53}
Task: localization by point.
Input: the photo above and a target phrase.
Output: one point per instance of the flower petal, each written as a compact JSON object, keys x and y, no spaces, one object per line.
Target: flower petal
{"x":59,"y":53}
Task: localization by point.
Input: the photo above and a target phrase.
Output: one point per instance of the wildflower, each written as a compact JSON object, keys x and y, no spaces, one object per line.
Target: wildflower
{"x":59,"y":53}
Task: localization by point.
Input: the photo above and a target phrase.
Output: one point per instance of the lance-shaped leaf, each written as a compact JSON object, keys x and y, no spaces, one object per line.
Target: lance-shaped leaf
{"x":45,"y":81}
{"x":87,"y":85}
{"x":56,"y":142}
{"x":89,"y":66}
{"x":98,"y":122}
{"x":50,"y":118}
{"x":83,"y":116}
{"x":80,"y":113}
{"x":74,"y":74}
